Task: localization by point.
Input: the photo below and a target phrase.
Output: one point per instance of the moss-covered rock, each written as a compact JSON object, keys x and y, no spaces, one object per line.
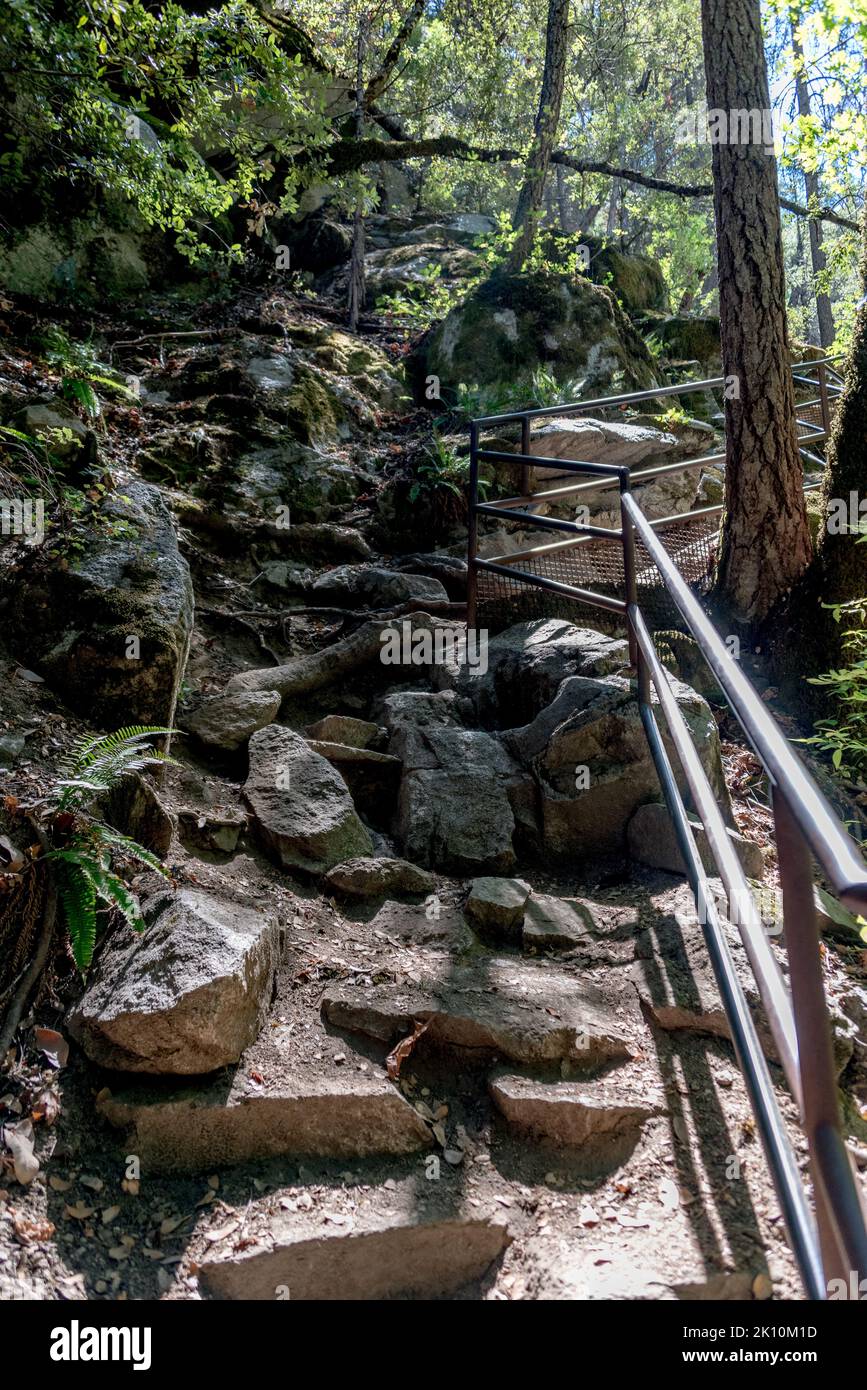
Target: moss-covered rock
{"x":513,"y":324}
{"x":686,"y":339}
{"x":109,"y":628}
{"x":637,"y":282}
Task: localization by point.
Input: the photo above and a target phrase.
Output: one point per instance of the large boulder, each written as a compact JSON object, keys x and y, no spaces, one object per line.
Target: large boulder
{"x":302,"y":808}
{"x":462,"y":796}
{"x":188,"y":995}
{"x":511,"y":325}
{"x":590,"y":756}
{"x":109,"y":628}
{"x":228,"y":720}
{"x":524,"y":667}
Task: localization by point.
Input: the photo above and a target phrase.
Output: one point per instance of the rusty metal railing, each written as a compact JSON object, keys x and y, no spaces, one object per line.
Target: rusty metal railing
{"x":814,"y":418}
{"x":829,"y":1242}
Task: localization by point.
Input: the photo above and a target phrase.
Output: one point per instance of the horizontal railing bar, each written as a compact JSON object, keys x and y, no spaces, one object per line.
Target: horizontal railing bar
{"x":754,"y":1068}
{"x":604,"y":484}
{"x":774,"y":995}
{"x":601,"y":402}
{"x":548,"y":523}
{"x":614,"y":605}
{"x":685,"y":388}
{"x":834,"y":849}
{"x":604,"y":470}
{"x":553,"y":546}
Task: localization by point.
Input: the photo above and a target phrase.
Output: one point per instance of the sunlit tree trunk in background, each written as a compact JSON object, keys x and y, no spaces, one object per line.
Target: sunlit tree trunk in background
{"x":765,"y":541}
{"x":824,"y":312}
{"x":526,"y":217}
{"x":357,"y":286}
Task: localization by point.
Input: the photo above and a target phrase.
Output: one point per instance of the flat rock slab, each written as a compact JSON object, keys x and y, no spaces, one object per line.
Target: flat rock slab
{"x":523,"y":1012}
{"x":336,"y":1115}
{"x":415,"y":1258}
{"x":185,"y":997}
{"x":374,"y":878}
{"x":572,"y":1113}
{"x":423,"y":924}
{"x":303,"y":810}
{"x":551,"y":922}
{"x":347,"y":730}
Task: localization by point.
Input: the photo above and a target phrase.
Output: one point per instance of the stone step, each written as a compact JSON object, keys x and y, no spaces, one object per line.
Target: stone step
{"x":595,"y":1114}
{"x":405,"y":1258}
{"x":233,"y":1121}
{"x":520,"y":1011}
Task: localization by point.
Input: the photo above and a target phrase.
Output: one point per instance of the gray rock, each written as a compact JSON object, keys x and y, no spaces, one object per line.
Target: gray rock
{"x":525,"y":1012}
{"x":134,"y":808}
{"x":651,"y":840}
{"x":509,"y":326}
{"x":374,"y":878}
{"x":228,"y":720}
{"x":551,"y":922}
{"x":343,"y":728}
{"x":591,"y":759}
{"x":527,"y":664}
{"x":373,"y":586}
{"x":185,"y":997}
{"x":12,"y":745}
{"x":302,"y":809}
{"x":462,"y":796}
{"x":204,"y":830}
{"x":496,"y":905}
{"x":379,"y":1259}
{"x":338,"y":1115}
{"x":76,"y":623}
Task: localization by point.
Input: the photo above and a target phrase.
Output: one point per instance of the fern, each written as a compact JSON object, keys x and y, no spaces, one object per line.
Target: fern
{"x":96,"y":764}
{"x":79,"y":906}
{"x":82,"y":860}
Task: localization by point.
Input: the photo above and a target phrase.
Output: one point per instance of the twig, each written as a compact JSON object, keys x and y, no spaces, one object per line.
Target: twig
{"x":37,"y":965}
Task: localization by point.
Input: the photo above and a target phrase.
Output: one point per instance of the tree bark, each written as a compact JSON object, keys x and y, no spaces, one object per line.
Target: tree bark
{"x":526,"y":216}
{"x":357,"y":285}
{"x":765,"y":542}
{"x":824,"y":312}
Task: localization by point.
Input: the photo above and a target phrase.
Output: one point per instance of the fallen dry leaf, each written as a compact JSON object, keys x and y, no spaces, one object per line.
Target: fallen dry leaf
{"x":80,"y":1212}
{"x":19,"y":1141}
{"x":54,"y":1045}
{"x":29,"y":1231}
{"x":396,"y":1058}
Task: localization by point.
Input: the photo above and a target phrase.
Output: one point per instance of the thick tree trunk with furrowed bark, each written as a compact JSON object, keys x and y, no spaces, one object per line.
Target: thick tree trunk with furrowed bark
{"x":765,"y":542}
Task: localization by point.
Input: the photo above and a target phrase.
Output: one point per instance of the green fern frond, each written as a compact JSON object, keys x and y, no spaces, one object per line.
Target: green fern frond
{"x":131,"y":848}
{"x":97,"y":764}
{"x":78,"y":897}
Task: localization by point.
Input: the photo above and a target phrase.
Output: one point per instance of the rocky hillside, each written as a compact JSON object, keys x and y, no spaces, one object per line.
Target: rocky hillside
{"x":420,"y":1007}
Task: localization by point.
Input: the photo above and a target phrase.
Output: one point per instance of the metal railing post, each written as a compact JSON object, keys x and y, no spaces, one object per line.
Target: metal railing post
{"x":631,"y":585}
{"x":525,"y":449}
{"x":473,"y":529}
{"x":822,"y":373}
{"x":821,"y":1110}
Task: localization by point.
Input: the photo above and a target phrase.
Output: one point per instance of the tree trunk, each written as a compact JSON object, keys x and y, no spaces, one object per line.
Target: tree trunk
{"x":562,"y":198}
{"x":357,"y":285}
{"x":824,"y":312}
{"x":526,"y":217}
{"x":809,"y":642}
{"x":765,"y":542}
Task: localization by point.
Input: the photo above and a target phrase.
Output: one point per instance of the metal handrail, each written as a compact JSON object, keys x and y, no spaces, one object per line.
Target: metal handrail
{"x":835,"y":1247}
